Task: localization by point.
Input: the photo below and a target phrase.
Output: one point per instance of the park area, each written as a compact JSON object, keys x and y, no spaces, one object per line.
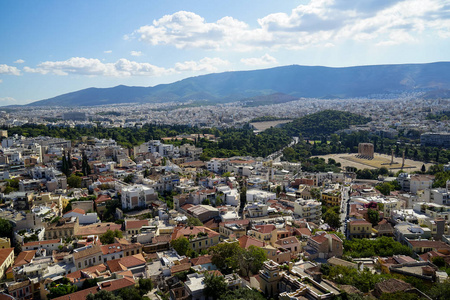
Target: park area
{"x":379,"y":160}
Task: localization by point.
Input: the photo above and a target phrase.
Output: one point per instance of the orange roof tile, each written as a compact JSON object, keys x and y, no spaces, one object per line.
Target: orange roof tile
{"x":246,"y":241}
{"x":24,"y":258}
{"x":4,"y":253}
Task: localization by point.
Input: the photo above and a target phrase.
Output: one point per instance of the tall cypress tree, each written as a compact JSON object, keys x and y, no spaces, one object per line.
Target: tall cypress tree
{"x":69,"y":160}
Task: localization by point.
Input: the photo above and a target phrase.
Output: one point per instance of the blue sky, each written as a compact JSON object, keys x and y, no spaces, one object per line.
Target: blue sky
{"x":53,"y":47}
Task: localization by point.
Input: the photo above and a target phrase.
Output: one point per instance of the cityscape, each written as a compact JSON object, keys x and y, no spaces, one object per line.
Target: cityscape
{"x":275,"y":167}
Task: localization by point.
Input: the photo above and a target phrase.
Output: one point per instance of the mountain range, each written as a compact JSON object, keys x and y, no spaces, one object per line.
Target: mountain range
{"x":281,"y":83}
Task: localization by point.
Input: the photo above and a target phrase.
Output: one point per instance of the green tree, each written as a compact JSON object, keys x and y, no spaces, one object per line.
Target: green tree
{"x":103,"y":295}
{"x":384,"y":188}
{"x":6,"y":228}
{"x":243,"y":197}
{"x":145,"y":285}
{"x":181,"y":245}
{"x":332,"y":218}
{"x":252,"y":259}
{"x":130,"y":293}
{"x":85,"y":167}
{"x":74,"y":181}
{"x":226,"y":256}
{"x":440,"y":291}
{"x":242,"y":294}
{"x":109,"y":235}
{"x":129,"y":178}
{"x":192,"y":221}
{"x":215,"y":286}
{"x":374,"y":216}
{"x":58,"y":290}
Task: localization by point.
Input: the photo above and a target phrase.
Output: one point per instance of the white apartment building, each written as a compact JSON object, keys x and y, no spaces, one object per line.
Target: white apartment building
{"x":310,"y":210}
{"x":136,"y":196}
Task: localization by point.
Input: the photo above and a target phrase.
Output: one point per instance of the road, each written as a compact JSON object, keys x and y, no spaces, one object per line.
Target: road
{"x":344,"y":208}
{"x":275,"y":157}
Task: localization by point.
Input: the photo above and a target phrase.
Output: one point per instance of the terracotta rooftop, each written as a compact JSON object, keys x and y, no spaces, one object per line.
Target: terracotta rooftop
{"x":115,"y":265}
{"x":201,"y":260}
{"x":265,"y":228}
{"x":111,"y":248}
{"x":135,"y":224}
{"x":359,"y":222}
{"x":194,"y":230}
{"x":24,"y":258}
{"x":4,"y":253}
{"x":287,"y":241}
{"x":76,"y":210}
{"x":180,"y":268}
{"x":89,"y":270}
{"x":393,"y":285}
{"x":94,"y":250}
{"x":429,"y":244}
{"x":97,"y":229}
{"x":320,"y":238}
{"x":246,"y":241}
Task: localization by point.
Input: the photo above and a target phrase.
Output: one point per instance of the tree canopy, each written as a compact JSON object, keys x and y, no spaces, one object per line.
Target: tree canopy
{"x":215,"y":285}
{"x":181,"y":245}
{"x":382,"y":246}
{"x":109,"y":235}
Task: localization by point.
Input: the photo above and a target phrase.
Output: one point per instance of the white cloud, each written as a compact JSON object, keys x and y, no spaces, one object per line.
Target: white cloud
{"x":9,"y":70}
{"x":93,"y":66}
{"x":122,"y":67}
{"x":7,"y":101}
{"x":107,"y":51}
{"x":266,"y":59}
{"x":19,"y":61}
{"x":316,"y":23}
{"x":136,"y":53}
{"x":1,"y":80}
{"x":204,"y":65}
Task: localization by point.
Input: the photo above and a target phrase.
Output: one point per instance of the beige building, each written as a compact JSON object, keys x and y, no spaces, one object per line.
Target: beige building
{"x":264,"y":233}
{"x":359,"y":229}
{"x":269,"y":277}
{"x":6,"y":260}
{"x":88,"y":257}
{"x":310,"y":210}
{"x":63,"y":228}
{"x":5,"y":243}
{"x":200,"y":237}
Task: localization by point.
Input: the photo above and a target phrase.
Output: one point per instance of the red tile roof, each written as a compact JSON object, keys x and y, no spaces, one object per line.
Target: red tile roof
{"x":265,"y":228}
{"x":76,"y":210}
{"x":246,"y":241}
{"x":135,"y":224}
{"x":24,"y":258}
{"x":320,"y":238}
{"x":359,"y":222}
{"x":4,"y":253}
{"x":111,"y":248}
{"x":115,"y":265}
{"x":80,"y":295}
{"x":89,"y":270}
{"x":97,"y":229}
{"x":194,"y":230}
{"x":38,"y":243}
{"x":201,"y":260}
{"x":180,"y":268}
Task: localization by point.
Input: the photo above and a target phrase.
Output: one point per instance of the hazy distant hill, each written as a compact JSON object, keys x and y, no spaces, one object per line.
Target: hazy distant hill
{"x":294,"y":81}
